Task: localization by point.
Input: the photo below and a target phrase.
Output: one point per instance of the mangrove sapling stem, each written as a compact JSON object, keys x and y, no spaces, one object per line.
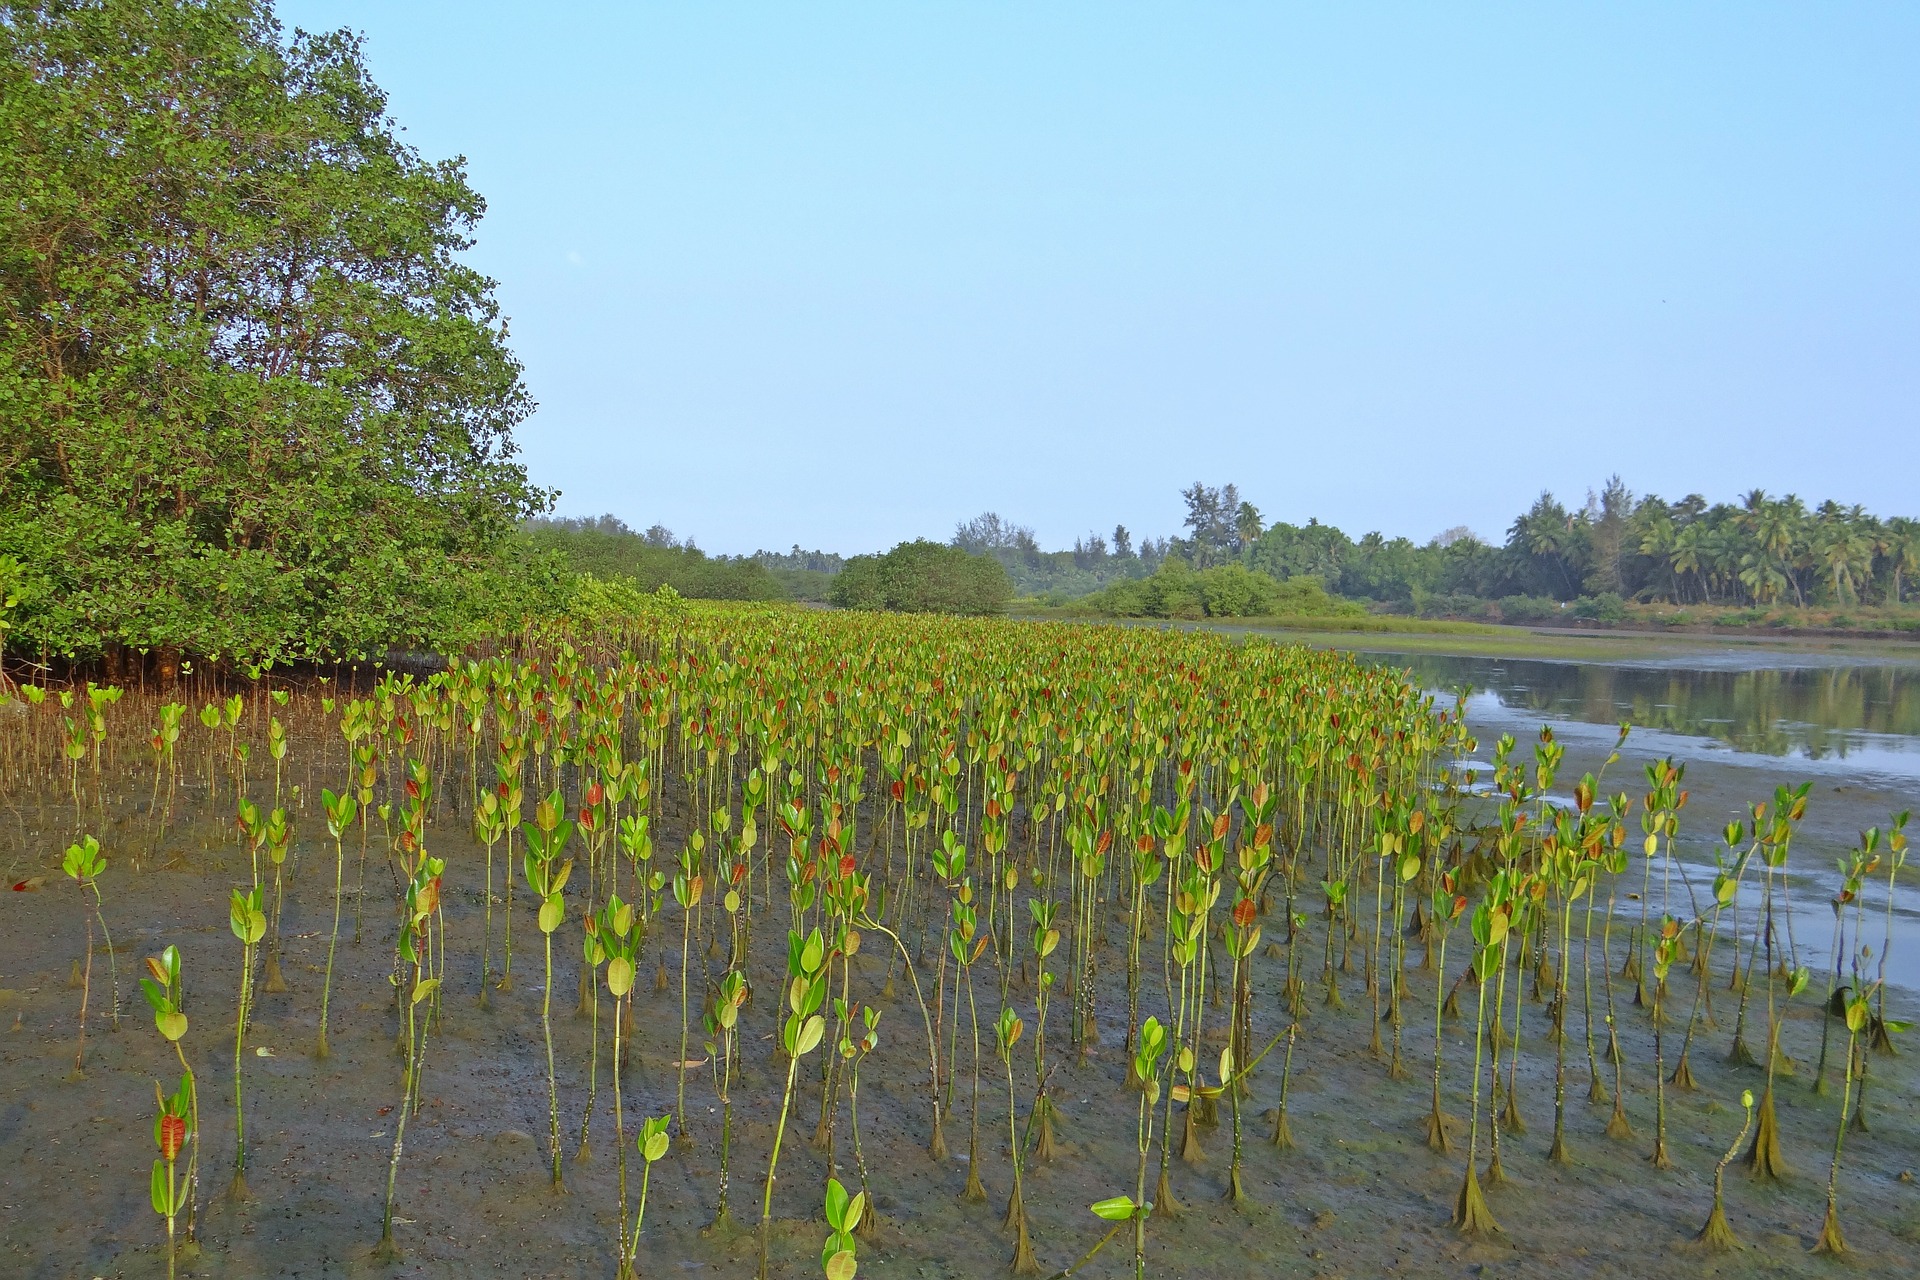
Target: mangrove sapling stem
{"x":1717,"y":1234}
{"x":1662,"y":960}
{"x":653,"y":1147}
{"x":545,"y":838}
{"x":1023,"y":1263}
{"x":1098,"y":1245}
{"x":937,"y":1143}
{"x":422,"y":901}
{"x":973,"y":1190}
{"x":1152,"y":1043}
{"x":83,"y":865}
{"x":1859,"y":1005}
{"x":802,"y":1032}
{"x":1282,"y":1131}
{"x":1470,"y":1213}
{"x":1446,"y":907}
{"x":249,"y":924}
{"x":340,"y":814}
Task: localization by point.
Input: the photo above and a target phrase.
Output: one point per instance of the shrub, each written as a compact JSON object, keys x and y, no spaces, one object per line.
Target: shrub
{"x":923,"y":577}
{"x":1605,"y":607}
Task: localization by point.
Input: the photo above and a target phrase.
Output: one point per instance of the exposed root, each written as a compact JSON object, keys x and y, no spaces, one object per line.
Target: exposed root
{"x":1831,"y":1241}
{"x":1470,"y":1212}
{"x":1164,"y":1203}
{"x":1764,"y":1157}
{"x":1717,"y":1236}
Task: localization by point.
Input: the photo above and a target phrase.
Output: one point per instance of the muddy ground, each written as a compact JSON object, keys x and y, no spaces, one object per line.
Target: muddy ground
{"x":1360,"y":1195}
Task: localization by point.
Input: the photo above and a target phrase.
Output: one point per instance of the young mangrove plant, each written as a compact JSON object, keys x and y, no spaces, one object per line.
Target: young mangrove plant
{"x":415,"y":948}
{"x":1444,"y":908}
{"x":801,"y":1034}
{"x":723,"y":1024}
{"x":248,"y":920}
{"x":613,"y":933}
{"x":1150,"y":1045}
{"x":1007,"y":1031}
{"x":1470,"y":1212}
{"x":546,"y":838}
{"x":341,"y":812}
{"x":167,"y":1189}
{"x":84,"y":865}
{"x":653,"y":1144}
{"x":165,"y":994}
{"x":1717,"y":1234}
{"x":843,"y":1218}
{"x":1859,"y":1006}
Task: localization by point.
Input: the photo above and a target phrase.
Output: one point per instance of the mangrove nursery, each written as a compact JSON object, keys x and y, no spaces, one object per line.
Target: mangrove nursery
{"x":802,"y":942}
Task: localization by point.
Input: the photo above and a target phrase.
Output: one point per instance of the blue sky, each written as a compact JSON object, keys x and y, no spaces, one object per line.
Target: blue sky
{"x":845,"y":274}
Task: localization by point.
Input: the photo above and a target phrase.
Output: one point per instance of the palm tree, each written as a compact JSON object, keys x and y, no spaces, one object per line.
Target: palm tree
{"x":1684,"y":553}
{"x":1901,"y":541}
{"x":1843,"y":549}
{"x":1247,"y":525}
{"x":1762,"y":576}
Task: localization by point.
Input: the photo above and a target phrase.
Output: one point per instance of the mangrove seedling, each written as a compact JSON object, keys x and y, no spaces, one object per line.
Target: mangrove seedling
{"x":806,"y":990}
{"x":614,"y":933}
{"x":1859,"y":1008}
{"x":653,"y":1143}
{"x":843,"y":1216}
{"x":1717,"y":1234}
{"x":248,"y":920}
{"x":724,"y":1026}
{"x":341,"y":811}
{"x":1008,"y":1031}
{"x":1150,"y":1045}
{"x":84,"y":865}
{"x":415,"y":946}
{"x":1470,"y":1212}
{"x":167,"y":1189}
{"x":165,"y":994}
{"x":547,"y":874}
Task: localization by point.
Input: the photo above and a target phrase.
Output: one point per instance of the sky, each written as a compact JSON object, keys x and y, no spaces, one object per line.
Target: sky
{"x":841,"y":275}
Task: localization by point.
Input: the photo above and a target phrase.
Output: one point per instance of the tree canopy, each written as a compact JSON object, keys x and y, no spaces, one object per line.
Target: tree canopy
{"x":252,"y":402}
{"x":924,"y":577}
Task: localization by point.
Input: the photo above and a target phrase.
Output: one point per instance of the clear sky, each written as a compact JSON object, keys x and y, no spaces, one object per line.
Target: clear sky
{"x":845,"y":274}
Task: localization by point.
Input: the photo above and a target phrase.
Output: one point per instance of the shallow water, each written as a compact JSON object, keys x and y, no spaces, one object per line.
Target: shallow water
{"x":1744,"y":721}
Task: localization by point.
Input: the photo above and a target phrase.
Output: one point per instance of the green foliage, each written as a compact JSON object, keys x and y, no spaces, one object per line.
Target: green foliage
{"x":1224,"y":591}
{"x":608,"y":549}
{"x":924,"y":577}
{"x":251,"y":401}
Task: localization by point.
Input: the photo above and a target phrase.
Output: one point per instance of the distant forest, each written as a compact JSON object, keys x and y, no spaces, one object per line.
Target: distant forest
{"x":1763,"y":551}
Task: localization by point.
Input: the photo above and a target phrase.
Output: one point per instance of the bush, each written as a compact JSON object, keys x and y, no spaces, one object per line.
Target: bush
{"x":1525,"y":609}
{"x":1605,"y":607}
{"x":923,"y":577}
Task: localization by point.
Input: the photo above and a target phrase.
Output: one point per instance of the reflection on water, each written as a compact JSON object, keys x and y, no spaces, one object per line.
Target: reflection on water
{"x":1850,"y":726}
{"x":1816,"y":709}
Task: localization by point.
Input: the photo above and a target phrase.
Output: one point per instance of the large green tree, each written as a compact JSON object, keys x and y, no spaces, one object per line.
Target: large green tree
{"x":252,"y":402}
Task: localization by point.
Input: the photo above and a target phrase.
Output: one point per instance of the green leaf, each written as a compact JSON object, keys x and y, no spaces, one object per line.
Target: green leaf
{"x":810,"y":1036}
{"x":160,"y":1189}
{"x":171,"y":1024}
{"x":619,"y":976}
{"x":1118,"y":1209}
